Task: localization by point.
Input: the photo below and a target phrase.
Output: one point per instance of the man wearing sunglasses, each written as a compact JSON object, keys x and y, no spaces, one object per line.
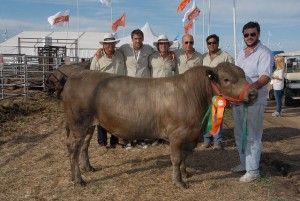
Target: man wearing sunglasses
{"x":187,"y":57}
{"x":212,"y":58}
{"x":257,"y":61}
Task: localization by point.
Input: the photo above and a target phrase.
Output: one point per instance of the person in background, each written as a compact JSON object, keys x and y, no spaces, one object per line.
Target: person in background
{"x":162,"y":63}
{"x":278,"y":84}
{"x":111,"y":61}
{"x":257,"y":61}
{"x":187,"y":57}
{"x":136,"y":57}
{"x":212,"y":58}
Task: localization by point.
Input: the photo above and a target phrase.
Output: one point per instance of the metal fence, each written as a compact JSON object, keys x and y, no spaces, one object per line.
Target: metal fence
{"x":19,"y":73}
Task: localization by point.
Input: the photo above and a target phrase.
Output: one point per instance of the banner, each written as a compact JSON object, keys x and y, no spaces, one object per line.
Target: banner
{"x":60,"y":18}
{"x":106,"y":2}
{"x":194,"y":14}
{"x":119,"y":22}
{"x":182,"y":5}
{"x":187,"y":13}
{"x":187,"y":27}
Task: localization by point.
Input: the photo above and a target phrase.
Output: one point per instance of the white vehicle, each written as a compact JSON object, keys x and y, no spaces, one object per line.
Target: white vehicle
{"x":291,"y":88}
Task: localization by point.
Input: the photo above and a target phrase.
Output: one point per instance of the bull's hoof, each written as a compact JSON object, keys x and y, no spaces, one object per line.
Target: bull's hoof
{"x":181,"y":185}
{"x":186,"y":174}
{"x":89,"y":169}
{"x":81,"y":183}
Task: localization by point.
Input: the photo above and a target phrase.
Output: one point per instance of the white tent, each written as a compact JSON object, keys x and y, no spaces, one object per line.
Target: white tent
{"x":87,"y":46}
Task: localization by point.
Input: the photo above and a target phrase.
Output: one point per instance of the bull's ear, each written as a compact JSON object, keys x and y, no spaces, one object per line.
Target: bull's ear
{"x":211,"y":75}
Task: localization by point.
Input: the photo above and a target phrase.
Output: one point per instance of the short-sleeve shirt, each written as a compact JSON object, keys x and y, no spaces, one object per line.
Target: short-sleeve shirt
{"x":219,"y":57}
{"x":259,"y":62}
{"x":183,"y":63}
{"x":115,"y":65}
{"x":137,"y":62}
{"x":278,"y":84}
{"x":160,"y":67}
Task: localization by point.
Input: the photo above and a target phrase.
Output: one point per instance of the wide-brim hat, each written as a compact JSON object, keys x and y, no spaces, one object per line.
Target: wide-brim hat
{"x":109,"y":38}
{"x":163,"y":39}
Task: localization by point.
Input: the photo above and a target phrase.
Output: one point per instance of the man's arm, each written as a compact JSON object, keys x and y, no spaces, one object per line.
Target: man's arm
{"x":262,"y":81}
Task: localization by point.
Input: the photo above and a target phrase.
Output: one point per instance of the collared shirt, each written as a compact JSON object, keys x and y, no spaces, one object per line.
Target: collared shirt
{"x":137,"y":62}
{"x":160,"y":67}
{"x":219,"y":57}
{"x":259,"y":62}
{"x":183,"y":63}
{"x":115,"y":65}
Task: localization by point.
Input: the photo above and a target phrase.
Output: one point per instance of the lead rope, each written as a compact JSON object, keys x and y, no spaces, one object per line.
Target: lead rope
{"x":245,"y":129}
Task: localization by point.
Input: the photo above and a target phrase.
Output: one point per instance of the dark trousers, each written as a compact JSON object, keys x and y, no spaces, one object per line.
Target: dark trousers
{"x":102,"y":137}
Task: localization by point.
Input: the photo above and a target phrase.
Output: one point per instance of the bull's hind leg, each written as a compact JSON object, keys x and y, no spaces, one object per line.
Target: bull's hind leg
{"x":84,"y":155}
{"x":75,"y":143}
{"x":177,"y":156}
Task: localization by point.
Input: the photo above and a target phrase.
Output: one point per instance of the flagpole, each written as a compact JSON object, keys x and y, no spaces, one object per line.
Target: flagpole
{"x":111,"y":14}
{"x":234,"y":30}
{"x":77,"y":30}
{"x":208,"y":28}
{"x":203,"y":28}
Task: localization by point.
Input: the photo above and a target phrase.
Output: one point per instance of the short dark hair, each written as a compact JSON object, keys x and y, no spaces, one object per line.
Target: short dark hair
{"x":137,"y":32}
{"x":212,"y":36}
{"x":251,"y":25}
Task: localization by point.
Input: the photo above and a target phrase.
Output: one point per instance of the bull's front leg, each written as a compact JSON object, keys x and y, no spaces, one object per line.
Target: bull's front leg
{"x":84,"y":155}
{"x":177,"y":157}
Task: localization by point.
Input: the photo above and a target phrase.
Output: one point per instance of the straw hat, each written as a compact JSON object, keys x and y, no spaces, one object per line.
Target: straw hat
{"x":163,"y":39}
{"x":109,"y":38}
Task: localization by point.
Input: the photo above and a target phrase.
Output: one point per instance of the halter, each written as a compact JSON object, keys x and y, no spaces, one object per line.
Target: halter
{"x":239,"y":100}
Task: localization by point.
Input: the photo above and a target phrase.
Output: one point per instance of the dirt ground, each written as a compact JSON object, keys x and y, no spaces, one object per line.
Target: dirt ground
{"x":34,"y":163}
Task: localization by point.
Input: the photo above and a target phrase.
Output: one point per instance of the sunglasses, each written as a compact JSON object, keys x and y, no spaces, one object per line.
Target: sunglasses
{"x":189,"y":42}
{"x":211,"y":43}
{"x":251,"y":34}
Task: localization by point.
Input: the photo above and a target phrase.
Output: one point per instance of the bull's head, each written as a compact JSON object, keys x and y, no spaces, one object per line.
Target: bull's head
{"x":229,"y":81}
{"x":55,"y":82}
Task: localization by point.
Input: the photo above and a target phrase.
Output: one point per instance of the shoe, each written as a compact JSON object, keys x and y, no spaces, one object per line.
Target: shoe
{"x":276,"y":114}
{"x":143,"y":145}
{"x":246,"y":178}
{"x":218,"y":146}
{"x":238,"y":168}
{"x":206,"y":144}
{"x":102,"y":148}
{"x":128,"y":145}
{"x":116,"y":146}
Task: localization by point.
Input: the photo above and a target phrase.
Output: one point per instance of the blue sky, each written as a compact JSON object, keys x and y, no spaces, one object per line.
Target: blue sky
{"x":279,"y":20}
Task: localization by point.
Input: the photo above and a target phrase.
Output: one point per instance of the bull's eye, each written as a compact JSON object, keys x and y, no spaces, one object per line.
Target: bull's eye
{"x":226,"y":80}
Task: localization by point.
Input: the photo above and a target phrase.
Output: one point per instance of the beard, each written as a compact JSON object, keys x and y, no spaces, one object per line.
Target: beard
{"x":252,"y":44}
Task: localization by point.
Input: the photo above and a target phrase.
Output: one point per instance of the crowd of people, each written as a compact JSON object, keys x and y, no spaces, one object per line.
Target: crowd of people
{"x":141,"y":60}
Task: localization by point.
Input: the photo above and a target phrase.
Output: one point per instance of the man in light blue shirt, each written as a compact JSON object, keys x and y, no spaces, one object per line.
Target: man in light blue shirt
{"x":257,"y":61}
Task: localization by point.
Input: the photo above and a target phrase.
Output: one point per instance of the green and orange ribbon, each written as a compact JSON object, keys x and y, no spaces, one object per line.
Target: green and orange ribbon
{"x":215,"y":112}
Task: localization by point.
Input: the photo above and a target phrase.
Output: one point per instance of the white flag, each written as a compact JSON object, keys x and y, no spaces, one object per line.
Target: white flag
{"x":60,"y":18}
{"x":185,"y":17}
{"x":106,"y":2}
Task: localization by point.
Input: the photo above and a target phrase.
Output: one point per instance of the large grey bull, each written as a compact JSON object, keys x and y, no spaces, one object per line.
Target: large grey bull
{"x":57,"y":79}
{"x":146,"y":108}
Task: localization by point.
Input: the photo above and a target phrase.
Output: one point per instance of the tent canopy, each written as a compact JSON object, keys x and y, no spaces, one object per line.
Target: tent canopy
{"x":87,"y":46}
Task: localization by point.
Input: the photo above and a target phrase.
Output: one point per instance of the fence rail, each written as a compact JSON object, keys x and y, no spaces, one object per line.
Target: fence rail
{"x":19,"y":73}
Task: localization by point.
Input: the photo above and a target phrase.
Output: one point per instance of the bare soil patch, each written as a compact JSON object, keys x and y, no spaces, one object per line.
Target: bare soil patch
{"x":34,"y":163}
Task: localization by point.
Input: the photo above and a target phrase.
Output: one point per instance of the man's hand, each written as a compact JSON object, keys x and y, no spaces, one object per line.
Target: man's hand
{"x":98,"y":54}
{"x":172,"y":56}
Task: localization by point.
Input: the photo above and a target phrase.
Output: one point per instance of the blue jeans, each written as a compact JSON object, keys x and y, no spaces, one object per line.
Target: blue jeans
{"x":277,"y":94}
{"x":251,"y":157}
{"x":215,"y":138}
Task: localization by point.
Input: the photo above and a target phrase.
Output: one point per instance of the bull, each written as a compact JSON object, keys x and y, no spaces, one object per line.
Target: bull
{"x":56,"y":80}
{"x":170,"y":108}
